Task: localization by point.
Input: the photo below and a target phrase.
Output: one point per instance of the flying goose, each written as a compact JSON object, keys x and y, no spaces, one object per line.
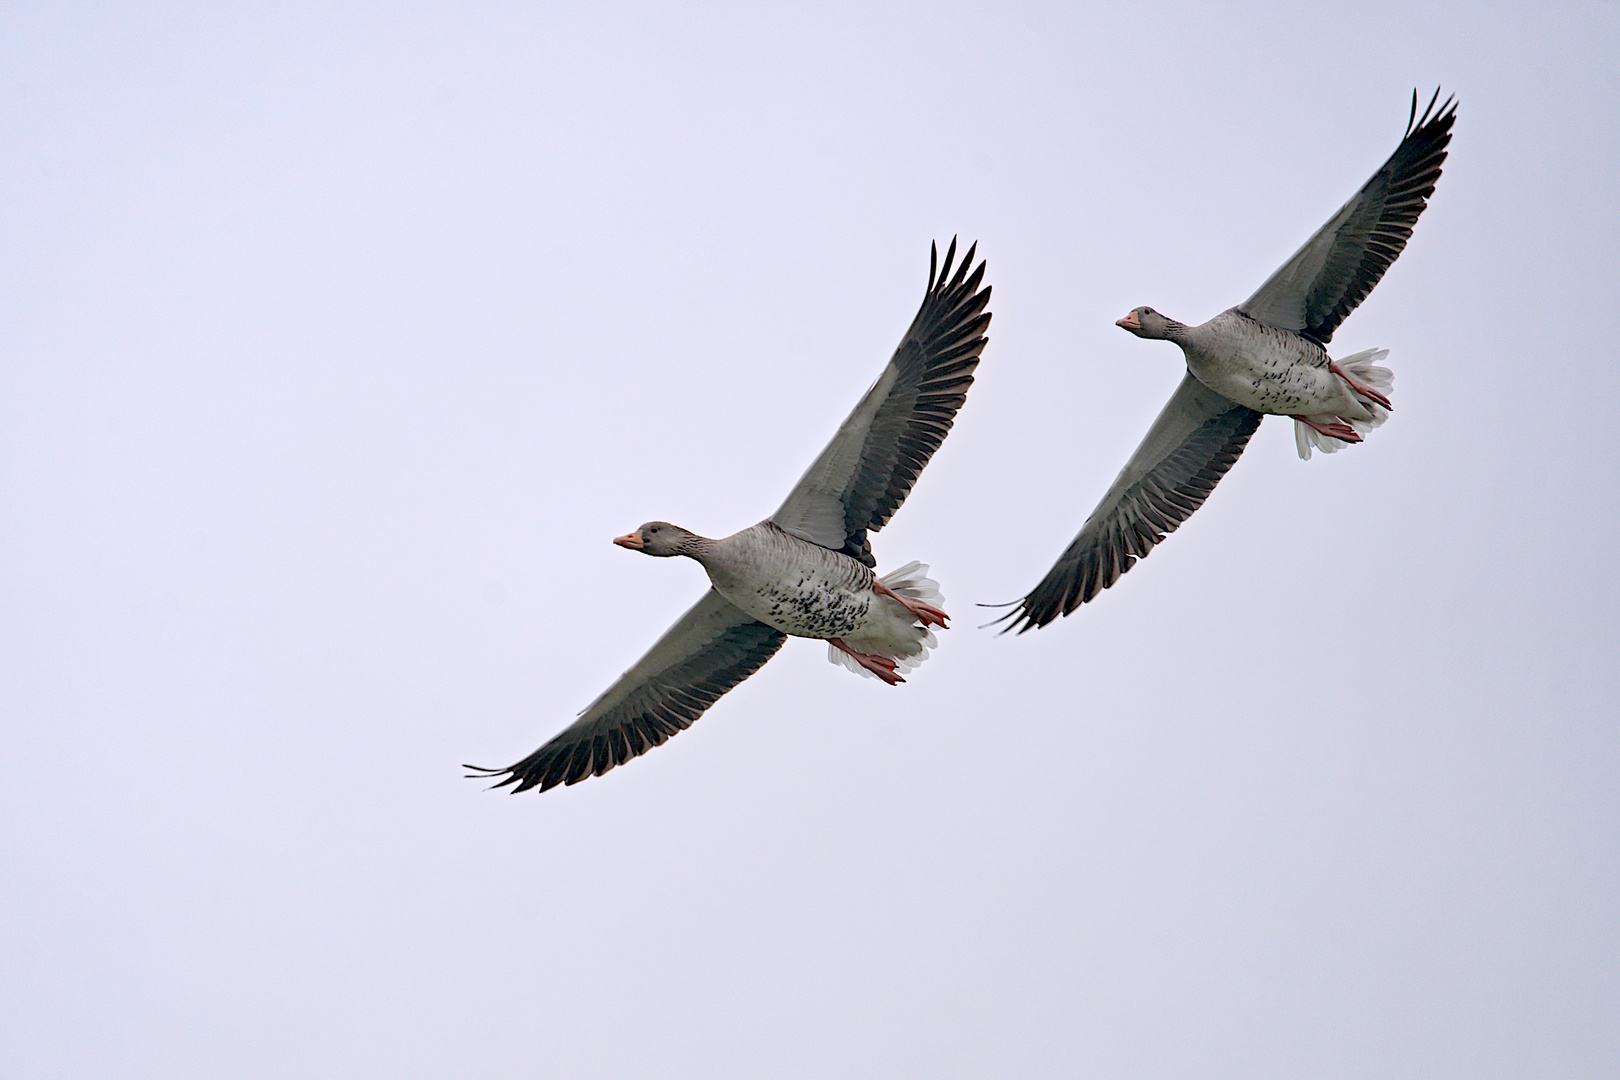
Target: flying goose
{"x":807,"y":570}
{"x":1266,"y":355}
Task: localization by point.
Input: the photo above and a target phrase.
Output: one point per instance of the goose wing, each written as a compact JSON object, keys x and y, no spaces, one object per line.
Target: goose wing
{"x":1194,"y":441}
{"x":868,"y":469}
{"x":1314,"y":291}
{"x":709,"y":650}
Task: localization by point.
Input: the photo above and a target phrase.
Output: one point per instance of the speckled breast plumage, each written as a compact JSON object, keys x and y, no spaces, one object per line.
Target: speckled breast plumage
{"x":1266,"y":369}
{"x":798,"y":587}
{"x":813,"y":607}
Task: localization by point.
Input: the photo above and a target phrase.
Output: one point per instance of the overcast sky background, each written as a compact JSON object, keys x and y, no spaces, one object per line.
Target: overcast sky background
{"x":336,"y":343}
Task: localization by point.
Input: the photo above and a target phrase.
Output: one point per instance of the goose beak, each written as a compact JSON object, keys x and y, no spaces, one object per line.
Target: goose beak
{"x":1129,"y":322}
{"x":630,"y":540}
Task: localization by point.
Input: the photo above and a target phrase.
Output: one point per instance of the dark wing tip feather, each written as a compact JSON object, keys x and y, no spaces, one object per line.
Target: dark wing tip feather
{"x":661,"y":708}
{"x":1447,"y":111}
{"x":1139,"y":520}
{"x":936,"y":361}
{"x":945,"y":271}
{"x":1394,"y":198}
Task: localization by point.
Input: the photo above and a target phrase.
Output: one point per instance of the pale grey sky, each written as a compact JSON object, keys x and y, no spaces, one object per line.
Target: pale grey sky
{"x":337,"y":341}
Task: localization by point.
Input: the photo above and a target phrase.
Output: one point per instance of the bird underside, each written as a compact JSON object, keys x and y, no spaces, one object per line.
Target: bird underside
{"x":1370,"y":383}
{"x":926,"y":613}
{"x":896,"y":636}
{"x":883,"y":667}
{"x":1335,"y":427}
{"x":1362,"y":389}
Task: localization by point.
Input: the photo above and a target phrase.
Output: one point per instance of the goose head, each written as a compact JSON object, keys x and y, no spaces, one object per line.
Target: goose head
{"x":1144,"y":322}
{"x":659,"y":538}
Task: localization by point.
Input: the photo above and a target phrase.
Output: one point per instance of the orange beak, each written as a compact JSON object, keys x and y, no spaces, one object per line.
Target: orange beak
{"x":630,"y":540}
{"x":1129,"y":322}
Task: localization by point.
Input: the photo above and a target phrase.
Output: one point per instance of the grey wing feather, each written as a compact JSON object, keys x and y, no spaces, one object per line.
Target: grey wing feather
{"x":868,"y":469}
{"x":1314,"y":291}
{"x":1192,"y":444}
{"x":709,"y":650}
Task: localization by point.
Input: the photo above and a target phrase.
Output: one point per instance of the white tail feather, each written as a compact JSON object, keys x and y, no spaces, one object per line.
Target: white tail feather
{"x":902,"y":664}
{"x":1364,"y":367}
{"x":912,"y":582}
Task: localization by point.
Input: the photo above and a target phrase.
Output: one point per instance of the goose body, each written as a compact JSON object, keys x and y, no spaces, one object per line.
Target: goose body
{"x":1264,"y":368}
{"x":1267,"y":355}
{"x":800,"y":588}
{"x":807,"y":570}
{"x":806,"y":590}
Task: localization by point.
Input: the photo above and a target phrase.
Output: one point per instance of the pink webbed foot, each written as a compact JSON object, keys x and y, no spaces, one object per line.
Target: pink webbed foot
{"x":1359,"y":387}
{"x":926,"y":614}
{"x":881,"y":666}
{"x":1334,"y":427}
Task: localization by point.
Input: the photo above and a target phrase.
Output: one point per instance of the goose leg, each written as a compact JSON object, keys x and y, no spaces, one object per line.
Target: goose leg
{"x":1332,"y":427}
{"x":881,"y":666}
{"x":926,"y":613}
{"x":1359,"y":387}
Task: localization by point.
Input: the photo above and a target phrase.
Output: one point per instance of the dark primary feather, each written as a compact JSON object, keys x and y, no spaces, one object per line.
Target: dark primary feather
{"x":1354,"y":249}
{"x":855,"y":485}
{"x":1194,"y":441}
{"x":936,"y":360}
{"x":909,"y":414}
{"x":1200,"y":434}
{"x":709,"y":650}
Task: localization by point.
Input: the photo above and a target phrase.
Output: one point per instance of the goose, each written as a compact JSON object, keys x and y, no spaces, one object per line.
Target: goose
{"x":805,"y":571}
{"x":1267,"y":355}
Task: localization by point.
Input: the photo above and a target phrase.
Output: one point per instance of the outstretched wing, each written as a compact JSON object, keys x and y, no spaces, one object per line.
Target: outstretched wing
{"x":1336,"y":269}
{"x":1192,"y":444}
{"x":709,"y":650}
{"x":868,"y":469}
